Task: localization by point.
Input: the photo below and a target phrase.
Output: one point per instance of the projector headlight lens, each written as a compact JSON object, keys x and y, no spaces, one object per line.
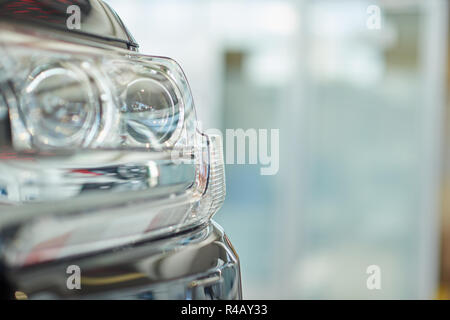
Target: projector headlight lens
{"x":60,"y":107}
{"x":150,"y":111}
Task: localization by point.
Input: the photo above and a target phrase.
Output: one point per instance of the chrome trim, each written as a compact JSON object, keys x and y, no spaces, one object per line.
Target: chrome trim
{"x":198,"y":264}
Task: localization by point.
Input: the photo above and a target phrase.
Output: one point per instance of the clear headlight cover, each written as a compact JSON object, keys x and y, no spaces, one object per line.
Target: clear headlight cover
{"x":98,"y":147}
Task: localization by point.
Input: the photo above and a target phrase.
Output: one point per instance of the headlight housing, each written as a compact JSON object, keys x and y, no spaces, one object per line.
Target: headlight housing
{"x":98,"y":147}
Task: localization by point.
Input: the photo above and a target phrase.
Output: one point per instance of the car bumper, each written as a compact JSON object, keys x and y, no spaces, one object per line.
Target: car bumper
{"x":197,"y":264}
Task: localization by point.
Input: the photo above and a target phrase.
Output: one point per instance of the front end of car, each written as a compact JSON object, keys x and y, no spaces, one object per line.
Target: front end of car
{"x":105,"y":174}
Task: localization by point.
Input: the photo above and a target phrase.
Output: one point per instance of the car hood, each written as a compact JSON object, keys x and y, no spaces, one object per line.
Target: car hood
{"x":97,"y":18}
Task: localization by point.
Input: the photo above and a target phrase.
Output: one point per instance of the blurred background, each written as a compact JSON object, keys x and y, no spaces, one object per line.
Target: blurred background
{"x":361,"y":106}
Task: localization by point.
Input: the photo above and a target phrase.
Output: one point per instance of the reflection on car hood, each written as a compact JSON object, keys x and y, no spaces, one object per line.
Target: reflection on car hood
{"x":97,"y":18}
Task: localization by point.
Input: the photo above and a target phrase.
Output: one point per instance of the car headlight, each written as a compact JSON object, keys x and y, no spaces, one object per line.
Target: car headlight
{"x":98,"y":147}
{"x":59,"y":106}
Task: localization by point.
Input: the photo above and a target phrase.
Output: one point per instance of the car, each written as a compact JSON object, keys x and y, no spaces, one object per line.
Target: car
{"x":107,"y":185}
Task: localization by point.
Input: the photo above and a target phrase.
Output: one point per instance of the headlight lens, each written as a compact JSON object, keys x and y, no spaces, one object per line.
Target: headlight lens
{"x":150,"y":111}
{"x":99,"y":146}
{"x":60,"y":107}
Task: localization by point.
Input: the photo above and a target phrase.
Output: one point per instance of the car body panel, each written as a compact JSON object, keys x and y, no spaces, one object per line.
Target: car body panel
{"x":198,"y":264}
{"x":98,"y":20}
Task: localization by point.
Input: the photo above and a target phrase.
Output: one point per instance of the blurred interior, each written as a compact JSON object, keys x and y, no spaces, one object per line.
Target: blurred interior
{"x":364,"y":136}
